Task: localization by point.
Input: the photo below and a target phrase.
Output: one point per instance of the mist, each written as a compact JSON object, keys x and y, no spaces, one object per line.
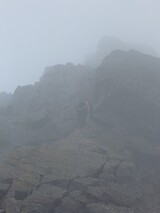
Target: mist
{"x":80,"y":111}
{"x":36,"y":34}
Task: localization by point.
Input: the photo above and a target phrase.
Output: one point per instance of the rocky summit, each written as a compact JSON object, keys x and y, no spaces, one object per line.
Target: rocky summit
{"x":110,"y":165}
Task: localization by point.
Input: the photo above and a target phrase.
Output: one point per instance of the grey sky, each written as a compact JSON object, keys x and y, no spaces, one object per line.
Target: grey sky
{"x":38,"y":33}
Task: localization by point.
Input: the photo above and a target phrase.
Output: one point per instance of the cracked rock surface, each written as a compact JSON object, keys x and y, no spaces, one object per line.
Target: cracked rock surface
{"x":83,"y":173}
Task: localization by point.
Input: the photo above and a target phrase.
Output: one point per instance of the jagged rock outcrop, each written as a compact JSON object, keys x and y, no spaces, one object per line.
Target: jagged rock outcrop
{"x":108,"y":166}
{"x":109,"y":44}
{"x":46,"y":111}
{"x":124,"y":89}
{"x":127,"y":93}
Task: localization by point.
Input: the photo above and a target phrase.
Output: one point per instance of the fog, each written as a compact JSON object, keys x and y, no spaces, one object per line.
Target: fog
{"x":36,"y":34}
{"x":83,"y":134}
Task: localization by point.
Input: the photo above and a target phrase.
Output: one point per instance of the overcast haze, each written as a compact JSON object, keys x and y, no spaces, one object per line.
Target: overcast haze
{"x":38,"y":33}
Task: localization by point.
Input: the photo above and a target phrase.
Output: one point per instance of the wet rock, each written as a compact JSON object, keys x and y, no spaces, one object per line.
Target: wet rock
{"x":118,"y":194}
{"x":101,"y":208}
{"x":95,"y":193}
{"x":123,"y":194}
{"x":77,"y":185}
{"x":127,"y":172}
{"x":3,"y":189}
{"x":79,"y":197}
{"x":11,"y":205}
{"x":70,"y":206}
{"x":42,"y":199}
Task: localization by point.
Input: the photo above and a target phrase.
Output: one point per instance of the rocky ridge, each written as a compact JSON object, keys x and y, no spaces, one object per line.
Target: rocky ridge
{"x":109,"y":44}
{"x":111,"y":165}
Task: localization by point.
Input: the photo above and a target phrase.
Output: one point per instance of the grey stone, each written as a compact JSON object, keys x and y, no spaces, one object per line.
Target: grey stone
{"x":10,"y":205}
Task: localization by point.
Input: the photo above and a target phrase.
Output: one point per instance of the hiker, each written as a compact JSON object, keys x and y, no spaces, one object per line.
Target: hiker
{"x":87,"y":111}
{"x":82,"y":110}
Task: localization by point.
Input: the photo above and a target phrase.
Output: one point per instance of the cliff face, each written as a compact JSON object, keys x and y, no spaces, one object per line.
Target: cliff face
{"x":127,"y":93}
{"x":123,"y":91}
{"x":110,"y":165}
{"x":46,"y":111}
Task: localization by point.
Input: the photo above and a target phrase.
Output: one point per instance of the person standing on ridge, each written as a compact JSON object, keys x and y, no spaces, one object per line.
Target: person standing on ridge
{"x":82,"y":110}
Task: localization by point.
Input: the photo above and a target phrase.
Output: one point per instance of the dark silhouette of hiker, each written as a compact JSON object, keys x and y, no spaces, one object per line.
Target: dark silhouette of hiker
{"x":82,"y":113}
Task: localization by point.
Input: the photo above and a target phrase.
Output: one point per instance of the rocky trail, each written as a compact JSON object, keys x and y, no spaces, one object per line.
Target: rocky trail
{"x":85,"y":172}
